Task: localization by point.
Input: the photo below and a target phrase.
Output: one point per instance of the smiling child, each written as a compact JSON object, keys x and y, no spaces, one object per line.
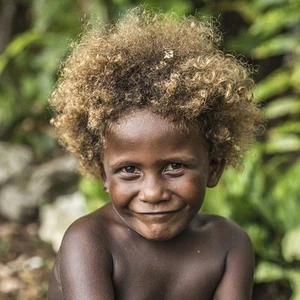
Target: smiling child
{"x":155,"y":110}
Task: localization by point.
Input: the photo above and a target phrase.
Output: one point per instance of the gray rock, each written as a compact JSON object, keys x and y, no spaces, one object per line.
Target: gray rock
{"x":14,"y":159}
{"x":22,"y":194}
{"x":56,"y":218}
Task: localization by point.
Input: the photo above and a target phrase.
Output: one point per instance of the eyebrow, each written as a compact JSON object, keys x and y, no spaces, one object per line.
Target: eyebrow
{"x":188,"y":160}
{"x":122,"y":163}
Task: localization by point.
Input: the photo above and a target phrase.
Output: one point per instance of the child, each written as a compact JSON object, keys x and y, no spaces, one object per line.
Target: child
{"x":152,"y":108}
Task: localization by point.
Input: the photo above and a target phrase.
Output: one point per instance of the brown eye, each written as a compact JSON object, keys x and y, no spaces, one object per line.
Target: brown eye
{"x":129,"y":169}
{"x":173,"y":167}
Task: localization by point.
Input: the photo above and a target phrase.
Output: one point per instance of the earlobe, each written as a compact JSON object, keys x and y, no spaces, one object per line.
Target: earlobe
{"x":103,"y":177}
{"x":216,"y":169}
{"x":105,"y":189}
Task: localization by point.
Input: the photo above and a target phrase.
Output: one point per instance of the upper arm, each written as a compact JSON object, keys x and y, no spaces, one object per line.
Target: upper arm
{"x":237,"y":280}
{"x":85,"y":265}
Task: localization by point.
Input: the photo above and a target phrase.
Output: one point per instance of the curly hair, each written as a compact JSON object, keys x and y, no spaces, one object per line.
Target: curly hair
{"x":170,"y":65}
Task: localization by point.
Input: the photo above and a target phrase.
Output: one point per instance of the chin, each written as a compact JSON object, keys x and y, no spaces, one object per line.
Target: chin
{"x":159,"y":235}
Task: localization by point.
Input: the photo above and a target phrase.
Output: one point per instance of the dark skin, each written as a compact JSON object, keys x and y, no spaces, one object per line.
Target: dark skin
{"x":151,"y":242}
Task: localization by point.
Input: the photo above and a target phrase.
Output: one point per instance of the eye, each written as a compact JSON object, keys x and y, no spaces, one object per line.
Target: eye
{"x":130,"y":170}
{"x":173,"y":167}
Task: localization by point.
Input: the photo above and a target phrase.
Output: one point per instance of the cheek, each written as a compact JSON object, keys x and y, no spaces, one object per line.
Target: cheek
{"x":121,"y":193}
{"x":192,"y":190}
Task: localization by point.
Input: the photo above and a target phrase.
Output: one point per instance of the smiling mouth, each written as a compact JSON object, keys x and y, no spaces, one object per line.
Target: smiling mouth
{"x":155,"y":213}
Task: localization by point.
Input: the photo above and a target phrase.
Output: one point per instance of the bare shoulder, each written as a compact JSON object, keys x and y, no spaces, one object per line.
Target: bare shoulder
{"x":237,"y":279}
{"x":85,"y":257}
{"x":88,"y":229}
{"x":225,"y":230}
{"x":88,"y":236}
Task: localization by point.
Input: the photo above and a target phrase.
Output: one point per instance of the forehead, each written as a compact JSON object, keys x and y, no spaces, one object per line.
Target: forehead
{"x":143,"y":130}
{"x":148,"y":122}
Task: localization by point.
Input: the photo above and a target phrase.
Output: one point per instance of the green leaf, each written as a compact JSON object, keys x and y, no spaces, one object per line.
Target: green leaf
{"x":294,"y":277}
{"x":8,"y":106}
{"x":295,"y":77}
{"x":216,"y":202}
{"x":259,"y":236}
{"x":275,"y":19}
{"x":275,"y":83}
{"x":288,"y":127}
{"x":285,"y":196}
{"x":177,"y":6}
{"x":282,"y":106}
{"x":280,"y":44}
{"x":94,"y":193}
{"x":245,"y":9}
{"x":281,"y":143}
{"x":291,"y":245}
{"x":267,"y":272}
{"x":16,"y":46}
{"x":263,"y":5}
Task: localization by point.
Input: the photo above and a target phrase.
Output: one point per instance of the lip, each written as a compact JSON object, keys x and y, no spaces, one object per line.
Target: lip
{"x":157,"y":213}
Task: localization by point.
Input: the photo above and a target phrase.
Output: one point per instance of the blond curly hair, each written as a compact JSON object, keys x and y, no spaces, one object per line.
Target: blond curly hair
{"x":170,"y":65}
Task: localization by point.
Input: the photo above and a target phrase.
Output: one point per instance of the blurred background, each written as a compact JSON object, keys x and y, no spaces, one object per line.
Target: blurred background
{"x":40,"y":191}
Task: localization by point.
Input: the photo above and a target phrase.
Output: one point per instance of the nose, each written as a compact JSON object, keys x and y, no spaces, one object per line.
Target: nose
{"x":153,"y":190}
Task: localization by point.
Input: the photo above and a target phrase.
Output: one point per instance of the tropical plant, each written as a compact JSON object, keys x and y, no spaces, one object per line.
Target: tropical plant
{"x":265,"y":197}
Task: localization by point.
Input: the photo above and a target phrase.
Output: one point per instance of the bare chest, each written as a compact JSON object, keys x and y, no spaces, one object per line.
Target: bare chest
{"x":144,"y":272}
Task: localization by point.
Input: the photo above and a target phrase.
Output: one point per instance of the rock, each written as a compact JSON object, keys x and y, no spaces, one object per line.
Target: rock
{"x":22,"y":194}
{"x":15,"y":202}
{"x":14,"y":159}
{"x":54,"y":178}
{"x":56,"y":218}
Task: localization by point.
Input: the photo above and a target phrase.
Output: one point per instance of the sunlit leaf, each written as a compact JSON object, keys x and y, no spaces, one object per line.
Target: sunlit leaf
{"x":278,"y":45}
{"x":291,"y":245}
{"x":295,"y":77}
{"x":275,"y":19}
{"x":294,"y":277}
{"x":16,"y":46}
{"x":267,"y":272}
{"x":263,"y":5}
{"x":176,"y":6}
{"x":282,"y":107}
{"x":280,"y":143}
{"x":94,"y":193}
{"x":285,"y":196}
{"x":274,"y":84}
{"x":288,"y":127}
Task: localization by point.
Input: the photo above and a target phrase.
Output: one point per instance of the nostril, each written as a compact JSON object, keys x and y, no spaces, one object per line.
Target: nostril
{"x":153,"y":190}
{"x":154,"y":197}
{"x":153,"y":201}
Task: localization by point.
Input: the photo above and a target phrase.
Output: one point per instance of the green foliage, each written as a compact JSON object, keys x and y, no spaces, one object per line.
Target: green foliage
{"x":291,"y":245}
{"x":28,"y":68}
{"x":94,"y":193}
{"x":265,"y":197}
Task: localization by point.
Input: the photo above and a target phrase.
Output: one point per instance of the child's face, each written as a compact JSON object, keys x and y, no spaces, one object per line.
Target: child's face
{"x":156,"y":174}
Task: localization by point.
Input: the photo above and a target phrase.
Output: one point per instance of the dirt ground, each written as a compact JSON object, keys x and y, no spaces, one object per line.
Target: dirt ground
{"x":25,"y":262}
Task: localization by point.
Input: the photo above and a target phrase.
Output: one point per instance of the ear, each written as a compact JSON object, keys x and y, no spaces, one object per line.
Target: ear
{"x":103,"y":177}
{"x":216,"y":168}
{"x":105,"y":188}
